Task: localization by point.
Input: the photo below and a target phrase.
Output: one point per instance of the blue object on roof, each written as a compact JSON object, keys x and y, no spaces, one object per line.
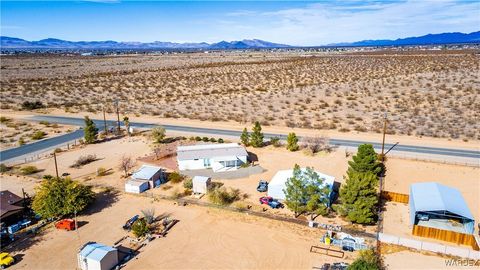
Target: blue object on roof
{"x":146,"y":172}
{"x":95,"y":251}
{"x":435,"y":197}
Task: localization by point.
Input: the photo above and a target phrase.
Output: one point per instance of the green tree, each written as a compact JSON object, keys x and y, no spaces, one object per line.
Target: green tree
{"x":90,"y":131}
{"x":292,"y":142}
{"x":295,"y":192}
{"x":140,"y":227}
{"x":245,"y":137}
{"x":158,"y":134}
{"x":366,"y":160}
{"x":57,"y":197}
{"x":367,"y":260}
{"x":359,"y":197}
{"x":256,"y":139}
{"x":317,"y":194}
{"x":126,"y":121}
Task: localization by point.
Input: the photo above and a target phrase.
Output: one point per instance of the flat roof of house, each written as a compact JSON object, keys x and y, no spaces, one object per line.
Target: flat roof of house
{"x":201,"y":151}
{"x":95,"y":251}
{"x":432,"y":196}
{"x":145,"y":172}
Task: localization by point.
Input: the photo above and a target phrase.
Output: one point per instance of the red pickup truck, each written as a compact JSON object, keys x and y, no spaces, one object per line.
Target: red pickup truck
{"x":66,"y":224}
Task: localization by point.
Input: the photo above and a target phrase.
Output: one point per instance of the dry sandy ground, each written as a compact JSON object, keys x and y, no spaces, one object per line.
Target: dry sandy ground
{"x":402,"y":173}
{"x":352,"y":135}
{"x":204,"y":238}
{"x":12,"y":129}
{"x":412,"y":260}
{"x":427,"y":94}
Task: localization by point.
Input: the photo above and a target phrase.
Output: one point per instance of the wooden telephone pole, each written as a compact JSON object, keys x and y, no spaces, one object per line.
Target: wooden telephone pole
{"x":118,"y":117}
{"x":384,"y":132}
{"x":55,"y":159}
{"x":104,"y":121}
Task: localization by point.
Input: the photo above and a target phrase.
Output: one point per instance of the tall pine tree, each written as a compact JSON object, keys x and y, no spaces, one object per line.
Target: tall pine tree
{"x":245,"y":137}
{"x":295,"y":192}
{"x":359,"y":197}
{"x":256,"y":138}
{"x":366,"y":160}
{"x":359,"y":193}
{"x":90,"y":131}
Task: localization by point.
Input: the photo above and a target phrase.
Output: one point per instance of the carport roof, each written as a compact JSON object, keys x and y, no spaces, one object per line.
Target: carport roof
{"x":432,"y":196}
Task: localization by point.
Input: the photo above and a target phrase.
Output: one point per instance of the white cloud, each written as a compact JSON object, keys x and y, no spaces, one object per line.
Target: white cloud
{"x":323,"y":23}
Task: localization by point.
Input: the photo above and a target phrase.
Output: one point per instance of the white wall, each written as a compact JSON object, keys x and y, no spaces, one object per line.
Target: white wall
{"x":191,"y":164}
{"x":136,"y":189}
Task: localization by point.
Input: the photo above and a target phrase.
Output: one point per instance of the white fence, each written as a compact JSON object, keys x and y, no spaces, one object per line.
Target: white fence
{"x":428,"y":246}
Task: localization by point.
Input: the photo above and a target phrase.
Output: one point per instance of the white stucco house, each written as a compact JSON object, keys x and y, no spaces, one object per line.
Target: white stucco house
{"x":218,"y":157}
{"x":277,"y":184}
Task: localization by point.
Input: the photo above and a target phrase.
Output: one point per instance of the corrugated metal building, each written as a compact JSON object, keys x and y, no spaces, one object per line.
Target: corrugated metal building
{"x":441,"y":207}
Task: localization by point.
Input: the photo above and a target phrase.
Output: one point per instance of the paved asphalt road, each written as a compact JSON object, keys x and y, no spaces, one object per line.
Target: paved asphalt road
{"x":52,"y":142}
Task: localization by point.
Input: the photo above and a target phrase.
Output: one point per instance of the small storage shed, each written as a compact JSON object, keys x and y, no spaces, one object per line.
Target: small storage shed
{"x":201,"y":184}
{"x":437,"y":206}
{"x":95,"y":256}
{"x":277,"y":184}
{"x":136,"y":186}
{"x":152,"y":174}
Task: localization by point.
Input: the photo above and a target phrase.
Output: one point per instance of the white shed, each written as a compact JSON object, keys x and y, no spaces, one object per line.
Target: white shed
{"x":277,"y":184}
{"x":153,"y":174}
{"x":136,"y":186}
{"x":95,"y":256}
{"x":201,"y":184}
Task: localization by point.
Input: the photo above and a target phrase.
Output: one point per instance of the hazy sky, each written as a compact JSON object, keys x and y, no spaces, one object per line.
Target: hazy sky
{"x":293,"y":22}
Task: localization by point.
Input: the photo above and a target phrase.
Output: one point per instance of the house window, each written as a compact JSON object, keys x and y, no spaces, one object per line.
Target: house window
{"x":230,"y":163}
{"x":206,"y":162}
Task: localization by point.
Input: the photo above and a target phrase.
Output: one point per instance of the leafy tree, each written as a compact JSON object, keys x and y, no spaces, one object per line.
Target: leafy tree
{"x":317,"y":194}
{"x":292,"y":142}
{"x":90,"y":131}
{"x":158,"y":134}
{"x":126,"y":163}
{"x":56,"y":197}
{"x":245,"y":137}
{"x":359,"y":197}
{"x":306,"y":193}
{"x":367,"y":260}
{"x":366,"y":160}
{"x":126,"y":121}
{"x":295,"y":192}
{"x":140,"y":227}
{"x":256,"y":138}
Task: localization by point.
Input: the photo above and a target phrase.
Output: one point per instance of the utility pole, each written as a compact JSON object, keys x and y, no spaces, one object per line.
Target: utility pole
{"x":55,"y":159}
{"x":104,"y":120}
{"x":383,"y":140}
{"x":380,"y":188}
{"x":118,"y":117}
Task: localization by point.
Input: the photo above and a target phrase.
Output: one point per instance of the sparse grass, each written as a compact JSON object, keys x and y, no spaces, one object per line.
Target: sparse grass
{"x":84,"y":160}
{"x":431,"y":92}
{"x":28,"y":170}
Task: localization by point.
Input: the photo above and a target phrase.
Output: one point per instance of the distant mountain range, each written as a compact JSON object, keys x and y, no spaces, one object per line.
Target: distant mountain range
{"x":52,"y":43}
{"x":430,"y":39}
